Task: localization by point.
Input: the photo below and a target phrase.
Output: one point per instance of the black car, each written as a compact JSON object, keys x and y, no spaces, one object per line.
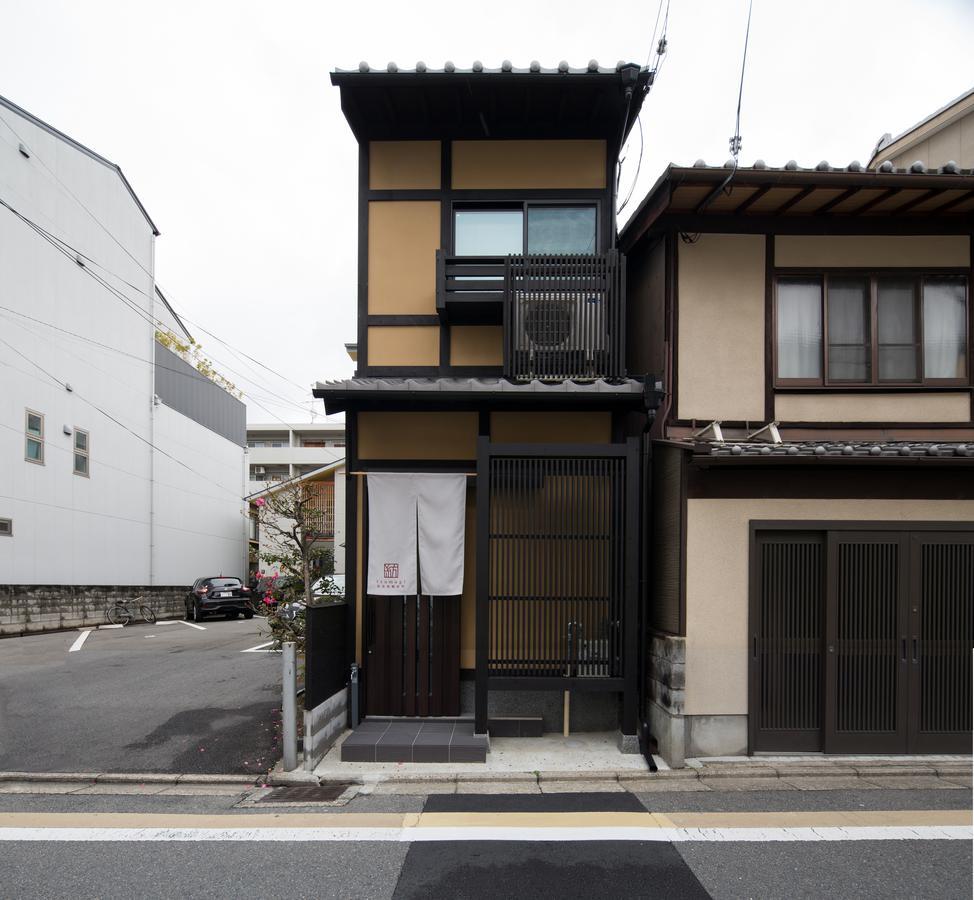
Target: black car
{"x":217,"y":594}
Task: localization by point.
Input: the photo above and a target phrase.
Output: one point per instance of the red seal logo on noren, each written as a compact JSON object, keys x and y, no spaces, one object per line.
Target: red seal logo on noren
{"x":390,"y":570}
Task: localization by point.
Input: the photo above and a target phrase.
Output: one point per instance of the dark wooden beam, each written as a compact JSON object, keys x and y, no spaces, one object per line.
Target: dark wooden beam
{"x":950,"y":204}
{"x":788,"y":204}
{"x":835,"y":201}
{"x":916,"y":201}
{"x":885,"y":195}
{"x":757,"y":195}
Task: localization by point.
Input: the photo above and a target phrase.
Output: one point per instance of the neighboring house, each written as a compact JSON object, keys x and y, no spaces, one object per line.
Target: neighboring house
{"x":490,"y":346}
{"x":325,"y":488}
{"x":812,"y":552}
{"x":277,"y":452}
{"x":944,"y":137}
{"x":120,"y":464}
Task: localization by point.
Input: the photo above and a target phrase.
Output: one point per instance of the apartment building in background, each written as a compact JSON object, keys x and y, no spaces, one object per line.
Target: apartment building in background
{"x":276,"y":452}
{"x":121,"y":466}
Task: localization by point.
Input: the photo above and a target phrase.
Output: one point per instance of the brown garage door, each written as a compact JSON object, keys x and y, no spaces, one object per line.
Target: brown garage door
{"x":861,"y":641}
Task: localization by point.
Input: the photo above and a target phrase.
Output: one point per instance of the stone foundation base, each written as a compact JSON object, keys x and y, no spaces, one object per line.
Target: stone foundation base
{"x":29,"y":608}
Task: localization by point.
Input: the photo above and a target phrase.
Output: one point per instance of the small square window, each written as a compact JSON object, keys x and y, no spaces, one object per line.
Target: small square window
{"x":6,"y":527}
{"x":34,"y":437}
{"x":81,"y":445}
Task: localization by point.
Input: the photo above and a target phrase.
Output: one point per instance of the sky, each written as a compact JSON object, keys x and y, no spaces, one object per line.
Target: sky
{"x":222,"y":116}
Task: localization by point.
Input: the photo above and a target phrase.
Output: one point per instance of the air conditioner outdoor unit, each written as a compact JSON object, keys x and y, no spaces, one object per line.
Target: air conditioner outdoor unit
{"x":565,"y":331}
{"x":259,"y":472}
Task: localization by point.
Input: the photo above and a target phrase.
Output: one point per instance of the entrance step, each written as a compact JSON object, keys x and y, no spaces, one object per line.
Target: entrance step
{"x":415,"y":740}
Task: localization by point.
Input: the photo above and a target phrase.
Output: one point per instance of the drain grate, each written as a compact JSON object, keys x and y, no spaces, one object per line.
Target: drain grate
{"x":306,"y":793}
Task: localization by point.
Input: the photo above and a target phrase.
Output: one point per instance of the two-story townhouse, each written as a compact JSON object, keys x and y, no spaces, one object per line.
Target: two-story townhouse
{"x":493,"y":434}
{"x":813,"y":460}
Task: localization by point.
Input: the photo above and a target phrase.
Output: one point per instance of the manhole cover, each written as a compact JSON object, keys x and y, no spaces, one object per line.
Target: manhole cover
{"x":306,"y":793}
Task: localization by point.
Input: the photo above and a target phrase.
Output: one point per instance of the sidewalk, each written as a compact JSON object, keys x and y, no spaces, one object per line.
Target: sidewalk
{"x":591,"y":762}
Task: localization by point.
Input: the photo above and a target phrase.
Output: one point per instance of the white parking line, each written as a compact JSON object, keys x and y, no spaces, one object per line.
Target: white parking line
{"x":79,"y":641}
{"x":260,"y":648}
{"x":168,"y":622}
{"x":103,"y":627}
{"x":192,"y":625}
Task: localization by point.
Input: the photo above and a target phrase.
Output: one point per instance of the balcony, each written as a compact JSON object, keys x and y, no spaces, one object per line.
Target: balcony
{"x":563,"y":316}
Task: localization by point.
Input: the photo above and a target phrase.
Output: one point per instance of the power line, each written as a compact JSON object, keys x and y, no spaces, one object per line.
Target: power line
{"x":134,"y":259}
{"x":108,"y":415}
{"x":735,"y":141}
{"x":80,"y":203}
{"x":98,"y":463}
{"x":63,"y":247}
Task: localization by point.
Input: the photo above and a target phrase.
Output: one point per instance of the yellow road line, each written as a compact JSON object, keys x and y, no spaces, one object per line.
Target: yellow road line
{"x":575,"y":820}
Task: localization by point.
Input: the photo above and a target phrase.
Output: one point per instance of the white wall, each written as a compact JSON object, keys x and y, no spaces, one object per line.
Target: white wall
{"x":199,"y":516}
{"x":69,"y":529}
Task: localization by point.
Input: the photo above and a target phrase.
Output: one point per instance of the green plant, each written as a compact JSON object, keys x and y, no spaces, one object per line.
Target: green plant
{"x":192,"y":352}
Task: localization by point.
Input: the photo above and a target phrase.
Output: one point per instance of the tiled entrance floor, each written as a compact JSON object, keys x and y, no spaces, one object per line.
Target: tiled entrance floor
{"x":414,"y":740}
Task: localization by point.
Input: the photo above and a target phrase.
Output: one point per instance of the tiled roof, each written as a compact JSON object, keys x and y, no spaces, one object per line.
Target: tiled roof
{"x":478,"y":386}
{"x":887,"y":168}
{"x":478,"y":68}
{"x":833,"y":449}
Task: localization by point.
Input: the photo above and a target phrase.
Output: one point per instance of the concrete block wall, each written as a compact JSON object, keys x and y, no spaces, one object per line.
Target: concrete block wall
{"x":29,"y":608}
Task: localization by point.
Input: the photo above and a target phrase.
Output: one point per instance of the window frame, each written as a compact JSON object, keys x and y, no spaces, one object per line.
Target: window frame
{"x":37,"y":438}
{"x":75,"y":452}
{"x":515,"y":205}
{"x":9,"y":530}
{"x":874,"y":275}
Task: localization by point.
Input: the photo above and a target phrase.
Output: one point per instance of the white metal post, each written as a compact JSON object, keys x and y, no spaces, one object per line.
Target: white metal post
{"x":289,"y":706}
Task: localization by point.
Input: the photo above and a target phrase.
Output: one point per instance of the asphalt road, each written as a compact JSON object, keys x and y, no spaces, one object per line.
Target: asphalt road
{"x":490,"y":869}
{"x":145,"y":698}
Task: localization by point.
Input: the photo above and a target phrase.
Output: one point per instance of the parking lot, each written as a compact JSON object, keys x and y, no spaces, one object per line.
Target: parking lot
{"x":168,"y":697}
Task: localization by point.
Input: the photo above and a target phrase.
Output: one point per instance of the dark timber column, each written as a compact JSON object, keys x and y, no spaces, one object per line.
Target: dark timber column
{"x":483,"y":585}
{"x":630,"y":630}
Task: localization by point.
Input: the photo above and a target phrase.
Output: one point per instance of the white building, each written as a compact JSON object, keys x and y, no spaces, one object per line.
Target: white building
{"x":120,"y":465}
{"x":276,"y":452}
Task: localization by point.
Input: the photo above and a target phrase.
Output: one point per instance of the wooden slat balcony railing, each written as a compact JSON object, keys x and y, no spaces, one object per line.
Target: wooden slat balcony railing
{"x":320,"y":513}
{"x":563,"y":315}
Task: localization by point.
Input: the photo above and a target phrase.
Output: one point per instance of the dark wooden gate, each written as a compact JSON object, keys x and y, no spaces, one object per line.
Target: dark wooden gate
{"x":861,"y":641}
{"x":557,"y":570}
{"x":942,"y":634}
{"x":412,"y":647}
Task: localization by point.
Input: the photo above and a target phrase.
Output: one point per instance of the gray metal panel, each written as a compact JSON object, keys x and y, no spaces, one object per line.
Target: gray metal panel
{"x":185,"y":390}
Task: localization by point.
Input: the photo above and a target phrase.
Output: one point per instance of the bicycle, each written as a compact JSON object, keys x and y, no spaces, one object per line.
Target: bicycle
{"x":121,"y":614}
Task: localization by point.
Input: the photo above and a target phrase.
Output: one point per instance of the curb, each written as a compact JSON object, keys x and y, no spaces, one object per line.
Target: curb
{"x":629,"y":775}
{"x":129,"y":778}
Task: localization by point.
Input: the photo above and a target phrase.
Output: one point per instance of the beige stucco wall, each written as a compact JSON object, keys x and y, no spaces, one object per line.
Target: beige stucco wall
{"x":417,"y":435}
{"x":550,"y":427}
{"x":412,"y":345}
{"x":872,"y":250}
{"x":717,"y":582}
{"x":872,"y":407}
{"x":404,"y":165}
{"x":476,"y":345}
{"x":404,"y":236}
{"x":721,"y":328}
{"x":528,"y":164}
